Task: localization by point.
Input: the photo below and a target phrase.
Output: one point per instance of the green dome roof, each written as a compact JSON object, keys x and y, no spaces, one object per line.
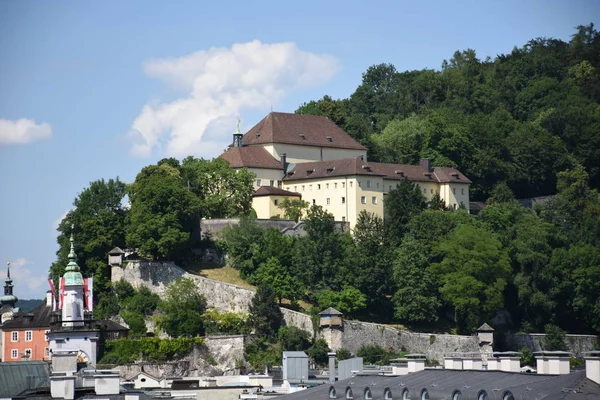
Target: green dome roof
{"x":72,"y":274}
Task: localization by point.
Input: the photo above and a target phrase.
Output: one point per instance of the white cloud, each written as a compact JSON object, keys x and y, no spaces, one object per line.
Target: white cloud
{"x":57,"y":221}
{"x":218,"y":84}
{"x":23,"y":131}
{"x":25,"y":277}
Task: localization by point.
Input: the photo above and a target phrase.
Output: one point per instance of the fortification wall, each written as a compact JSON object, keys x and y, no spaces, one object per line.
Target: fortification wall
{"x":576,"y":344}
{"x":356,"y":334}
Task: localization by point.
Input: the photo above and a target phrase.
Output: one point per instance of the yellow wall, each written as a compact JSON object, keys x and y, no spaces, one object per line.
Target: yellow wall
{"x":299,"y":154}
{"x":454,"y":194}
{"x":265,"y":206}
{"x":266,"y":176}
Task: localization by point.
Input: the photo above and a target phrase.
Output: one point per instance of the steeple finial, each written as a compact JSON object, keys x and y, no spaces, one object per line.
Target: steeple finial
{"x":72,"y":265}
{"x":8,"y":269}
{"x":237,"y":129}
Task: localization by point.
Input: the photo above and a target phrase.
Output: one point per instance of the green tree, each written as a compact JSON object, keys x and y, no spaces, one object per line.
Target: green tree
{"x":241,"y":242}
{"x":136,"y":323}
{"x":472,"y":274}
{"x":554,"y":339}
{"x":318,"y":352}
{"x":143,"y":302}
{"x":401,"y":205}
{"x":501,"y":194}
{"x":348,"y":301}
{"x":223,"y":192}
{"x":265,"y":316}
{"x":182,"y":308}
{"x":124,"y":290}
{"x":293,"y":339}
{"x":97,"y":223}
{"x":293,"y":208}
{"x":278,"y":278}
{"x":163,"y":213}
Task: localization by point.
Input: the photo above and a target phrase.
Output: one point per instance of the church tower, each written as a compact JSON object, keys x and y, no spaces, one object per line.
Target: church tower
{"x":8,"y":300}
{"x":73,"y":330}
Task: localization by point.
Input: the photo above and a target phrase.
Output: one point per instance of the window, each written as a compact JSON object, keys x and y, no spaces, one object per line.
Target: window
{"x":359,"y":184}
{"x":507,"y":396}
{"x":431,"y":191}
{"x":363,"y":199}
{"x":15,"y":336}
{"x":327,"y":186}
{"x":27,"y":353}
{"x":314,"y":202}
{"x":424,"y":395}
{"x":258,"y":182}
{"x":343,"y":200}
{"x":390,"y":187}
{"x":453,"y":190}
{"x":482,"y":395}
{"x":374,"y":199}
{"x":279,"y":184}
{"x":14,"y":353}
{"x":349,"y":395}
{"x":387,"y":394}
{"x":405,"y":395}
{"x":424,"y":190}
{"x":332,"y":393}
{"x":368,"y":183}
{"x":271,"y":182}
{"x":368,"y":395}
{"x":47,"y":352}
{"x":46,"y":335}
{"x":28,"y":336}
{"x":377,"y":185}
{"x":318,"y":186}
{"x":303,"y":188}
{"x":328,"y":201}
{"x":455,"y":206}
{"x":350,"y":183}
{"x":343,"y":219}
{"x":276,"y":202}
{"x":295,"y":188}
{"x":462,"y":191}
{"x":335,"y":185}
{"x":343,"y":185}
{"x":309,"y":187}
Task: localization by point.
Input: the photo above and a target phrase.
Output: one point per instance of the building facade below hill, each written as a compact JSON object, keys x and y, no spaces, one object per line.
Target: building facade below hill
{"x":311,"y":158}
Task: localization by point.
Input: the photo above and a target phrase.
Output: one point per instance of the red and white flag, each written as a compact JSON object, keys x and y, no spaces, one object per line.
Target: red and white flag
{"x":53,"y":290}
{"x":61,"y":292}
{"x":88,"y":291}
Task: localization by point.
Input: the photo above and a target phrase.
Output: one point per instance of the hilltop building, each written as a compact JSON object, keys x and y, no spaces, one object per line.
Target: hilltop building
{"x":308,"y":156}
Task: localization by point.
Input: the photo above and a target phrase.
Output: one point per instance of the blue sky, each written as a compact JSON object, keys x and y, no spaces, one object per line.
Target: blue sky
{"x":92,"y":90}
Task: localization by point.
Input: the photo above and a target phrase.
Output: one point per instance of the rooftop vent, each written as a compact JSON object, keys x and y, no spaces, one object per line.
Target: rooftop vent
{"x":310,"y":171}
{"x":366,"y":168}
{"x":455,"y":175}
{"x":427,"y":174}
{"x":398,"y":172}
{"x":302,"y":135}
{"x":257,"y":135}
{"x":329,"y":139}
{"x":330,"y":170}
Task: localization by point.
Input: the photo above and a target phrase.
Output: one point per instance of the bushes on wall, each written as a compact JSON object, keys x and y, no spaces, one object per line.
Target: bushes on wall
{"x":123,"y":351}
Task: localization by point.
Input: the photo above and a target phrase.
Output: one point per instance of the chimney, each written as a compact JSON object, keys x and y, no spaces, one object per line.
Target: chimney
{"x":331,"y":367}
{"x":592,"y":366}
{"x":553,"y":362}
{"x":416,"y":362}
{"x":453,"y":362}
{"x":426,"y":164}
{"x":509,"y":361}
{"x":283,"y":160}
{"x":49,"y":298}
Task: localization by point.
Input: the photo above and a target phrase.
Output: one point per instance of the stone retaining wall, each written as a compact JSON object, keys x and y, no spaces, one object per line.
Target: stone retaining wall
{"x":576,"y":344}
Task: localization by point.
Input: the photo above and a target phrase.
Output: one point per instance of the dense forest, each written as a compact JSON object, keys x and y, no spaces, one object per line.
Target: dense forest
{"x":524,"y":124}
{"x":520,"y":118}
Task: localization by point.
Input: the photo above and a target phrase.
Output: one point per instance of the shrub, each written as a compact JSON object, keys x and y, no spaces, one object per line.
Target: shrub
{"x":230,"y":323}
{"x":151,"y":349}
{"x":293,"y":339}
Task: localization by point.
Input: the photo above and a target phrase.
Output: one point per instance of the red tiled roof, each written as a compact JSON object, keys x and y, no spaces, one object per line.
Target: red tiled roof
{"x":308,"y":130}
{"x":356,"y":166}
{"x":273,"y":191}
{"x":250,"y":157}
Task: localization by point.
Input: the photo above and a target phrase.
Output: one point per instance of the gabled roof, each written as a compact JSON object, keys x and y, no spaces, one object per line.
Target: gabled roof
{"x":15,"y":377}
{"x":250,"y":157}
{"x":39,"y":317}
{"x":116,"y":250}
{"x":356,"y":166}
{"x":485,"y":328}
{"x":307,"y":130}
{"x":330,"y":311}
{"x":274,"y":191}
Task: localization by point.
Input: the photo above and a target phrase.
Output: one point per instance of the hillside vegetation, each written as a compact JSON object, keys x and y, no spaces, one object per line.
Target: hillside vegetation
{"x":523,"y":124}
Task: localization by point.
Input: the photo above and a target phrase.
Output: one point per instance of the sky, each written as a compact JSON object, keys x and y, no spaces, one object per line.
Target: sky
{"x":100,"y":89}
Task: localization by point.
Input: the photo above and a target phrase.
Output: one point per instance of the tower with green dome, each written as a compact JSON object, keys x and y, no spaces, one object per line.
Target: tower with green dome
{"x":8,"y":299}
{"x":73,"y":301}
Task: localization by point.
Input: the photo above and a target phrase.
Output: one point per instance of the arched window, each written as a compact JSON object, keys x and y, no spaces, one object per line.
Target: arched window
{"x":457,"y":395}
{"x":482,"y":395}
{"x":508,"y":396}
{"x":332,"y":393}
{"x":349,"y":395}
{"x":424,"y":394}
{"x":405,"y":394}
{"x":368,"y":395}
{"x":387,"y":394}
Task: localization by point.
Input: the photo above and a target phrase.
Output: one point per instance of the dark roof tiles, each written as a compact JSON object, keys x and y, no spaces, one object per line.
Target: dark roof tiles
{"x":274,"y":191}
{"x":250,"y":157}
{"x":39,"y":317}
{"x":307,"y":130}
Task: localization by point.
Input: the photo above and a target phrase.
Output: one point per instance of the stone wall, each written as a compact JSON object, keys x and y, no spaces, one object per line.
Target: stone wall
{"x":576,"y":344}
{"x":222,"y":297}
{"x":356,"y":334}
